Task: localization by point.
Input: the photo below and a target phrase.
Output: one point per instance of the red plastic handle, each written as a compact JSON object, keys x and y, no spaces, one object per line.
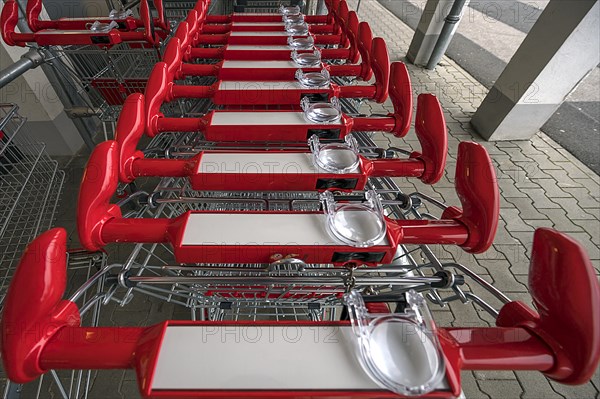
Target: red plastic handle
{"x":353,"y":32}
{"x":34,"y":310}
{"x":8,"y":21}
{"x":33,"y":11}
{"x":157,"y":92}
{"x":183,"y":33}
{"x":147,"y":22}
{"x":161,"y":20}
{"x":342,"y":12}
{"x":566,"y":293}
{"x":380,"y":63}
{"x":400,"y":91}
{"x":364,"y":45}
{"x":129,"y":131}
{"x":99,"y":184}
{"x":430,"y":127}
{"x":477,"y":189}
{"x":173,"y":57}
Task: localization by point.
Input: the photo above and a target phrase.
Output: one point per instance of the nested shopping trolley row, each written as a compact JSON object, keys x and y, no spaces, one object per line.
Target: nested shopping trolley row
{"x":251,"y":195}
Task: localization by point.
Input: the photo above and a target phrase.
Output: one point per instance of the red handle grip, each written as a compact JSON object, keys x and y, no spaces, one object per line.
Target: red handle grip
{"x":34,"y":9}
{"x":129,"y":131}
{"x":161,"y":20}
{"x":34,"y":310}
{"x":430,"y":127}
{"x":380,"y":63}
{"x":157,"y":92}
{"x":99,"y":184}
{"x":147,"y":22}
{"x":566,"y":293}
{"x":477,"y":190}
{"x":402,"y":98}
{"x":342,"y":19}
{"x":173,"y":57}
{"x":8,"y":23}
{"x":363,"y":45}
{"x":354,"y":36}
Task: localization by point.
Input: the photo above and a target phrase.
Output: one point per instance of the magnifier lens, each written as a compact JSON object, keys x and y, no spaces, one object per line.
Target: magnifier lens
{"x":314,"y":79}
{"x":337,"y":158}
{"x":308,"y":59}
{"x":301,"y":43}
{"x":293,"y":10}
{"x":357,"y":225}
{"x":395,"y":344}
{"x":323,"y":113}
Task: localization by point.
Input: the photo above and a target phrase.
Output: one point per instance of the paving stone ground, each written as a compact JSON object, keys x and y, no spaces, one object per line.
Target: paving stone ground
{"x":541,"y":185}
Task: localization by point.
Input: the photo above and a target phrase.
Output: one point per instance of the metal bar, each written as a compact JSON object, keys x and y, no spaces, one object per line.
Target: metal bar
{"x":31,"y":59}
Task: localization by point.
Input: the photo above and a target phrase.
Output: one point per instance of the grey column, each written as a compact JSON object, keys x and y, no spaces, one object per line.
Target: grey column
{"x":428,"y":31}
{"x":559,"y":51}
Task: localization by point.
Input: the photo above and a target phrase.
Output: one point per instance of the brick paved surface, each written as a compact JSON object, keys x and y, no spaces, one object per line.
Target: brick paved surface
{"x":541,"y":185}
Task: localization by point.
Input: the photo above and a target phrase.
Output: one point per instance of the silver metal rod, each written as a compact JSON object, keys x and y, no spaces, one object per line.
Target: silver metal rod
{"x":30,"y":60}
{"x":282,"y":280}
{"x":489,"y":287}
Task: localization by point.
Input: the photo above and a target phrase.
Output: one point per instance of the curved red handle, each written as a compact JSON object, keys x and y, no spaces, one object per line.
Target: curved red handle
{"x":364,"y":45}
{"x":342,"y":12}
{"x":566,"y":293}
{"x":129,"y":131}
{"x":99,"y":184}
{"x":477,"y":189}
{"x":353,"y":31}
{"x":161,"y":20}
{"x":147,"y":22}
{"x":183,"y":34}
{"x":400,"y":91}
{"x":380,"y":63}
{"x":33,"y":11}
{"x":333,"y":8}
{"x":8,"y":23}
{"x":194,"y":22}
{"x":430,"y":127}
{"x":34,"y":310}
{"x":173,"y":57}
{"x":156,"y":93}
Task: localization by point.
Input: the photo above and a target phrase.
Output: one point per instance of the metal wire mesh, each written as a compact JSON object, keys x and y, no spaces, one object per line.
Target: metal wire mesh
{"x":108,"y":76}
{"x":30,"y":187}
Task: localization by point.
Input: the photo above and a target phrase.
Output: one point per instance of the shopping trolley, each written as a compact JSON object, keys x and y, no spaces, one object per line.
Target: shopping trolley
{"x":161,"y":87}
{"x":100,"y":35}
{"x":122,"y":18}
{"x":274,"y":69}
{"x":324,"y":119}
{"x":290,"y":17}
{"x":100,"y":74}
{"x":319,"y":166}
{"x":317,"y":238}
{"x":30,"y":187}
{"x":376,"y":354}
{"x":282,"y":11}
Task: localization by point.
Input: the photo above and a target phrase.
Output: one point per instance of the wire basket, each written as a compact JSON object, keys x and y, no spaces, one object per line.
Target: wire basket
{"x":30,"y":187}
{"x":105,"y":77}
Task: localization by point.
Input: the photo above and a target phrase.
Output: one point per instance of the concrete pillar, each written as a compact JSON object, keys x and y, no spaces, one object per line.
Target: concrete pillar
{"x":428,"y":31}
{"x":559,"y":51}
{"x":39,"y":103}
